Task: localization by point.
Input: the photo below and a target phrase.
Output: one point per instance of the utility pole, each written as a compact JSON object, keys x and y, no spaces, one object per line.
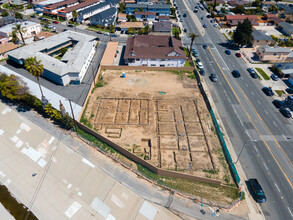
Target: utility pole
{"x":72,"y":115}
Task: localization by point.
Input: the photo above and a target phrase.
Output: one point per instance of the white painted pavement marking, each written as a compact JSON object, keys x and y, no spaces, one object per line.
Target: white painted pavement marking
{"x":72,"y":209}
{"x":229,"y":100}
{"x":7,"y":182}
{"x":246,"y":85}
{"x":259,"y":102}
{"x":284,"y":136}
{"x":19,"y":143}
{"x":2,"y":174}
{"x":266,"y":112}
{"x":88,"y":163}
{"x":14,"y":138}
{"x":79,"y":193}
{"x":31,"y":153}
{"x":1,"y":131}
{"x":25,"y":127}
{"x":117,"y":201}
{"x":6,"y":110}
{"x":69,"y":186}
{"x":100,"y":207}
{"x":265,"y":166}
{"x":18,"y":131}
{"x":42,"y":162}
{"x":255,"y":148}
{"x":241,"y":122}
{"x":274,"y":123}
{"x":51,"y":140}
{"x":252,"y":93}
{"x":225,"y":92}
{"x":148,"y":211}
{"x":277,"y":187}
{"x":290,"y":211}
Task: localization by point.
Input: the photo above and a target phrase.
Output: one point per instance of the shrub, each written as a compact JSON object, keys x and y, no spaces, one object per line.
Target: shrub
{"x":67,"y":122}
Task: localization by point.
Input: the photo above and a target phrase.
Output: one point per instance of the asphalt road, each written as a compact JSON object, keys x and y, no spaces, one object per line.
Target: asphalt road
{"x":248,"y":115}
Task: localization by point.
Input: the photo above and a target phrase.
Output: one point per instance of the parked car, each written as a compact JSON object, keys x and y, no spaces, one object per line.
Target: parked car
{"x":205,"y":46}
{"x":274,"y":77}
{"x":214,"y":77}
{"x":106,"y":34}
{"x":70,"y":25}
{"x":195,"y":53}
{"x":289,"y":90}
{"x":236,"y":73}
{"x":253,"y":74}
{"x":65,"y":29}
{"x":197,"y":60}
{"x":181,"y":20}
{"x":200,"y":65}
{"x":201,"y":71}
{"x":195,"y":10}
{"x":209,"y":16}
{"x":238,"y":54}
{"x":205,"y":25}
{"x":212,"y":21}
{"x":184,"y":15}
{"x":184,"y":30}
{"x":257,"y":191}
{"x":41,"y":18}
{"x":33,"y":16}
{"x":114,"y":35}
{"x":268,"y":91}
{"x":202,"y":18}
{"x":278,"y":103}
{"x":286,"y":113}
{"x":55,"y":22}
{"x":228,"y":52}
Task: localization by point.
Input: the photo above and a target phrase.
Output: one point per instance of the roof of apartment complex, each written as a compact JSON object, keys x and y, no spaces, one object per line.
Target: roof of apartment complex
{"x":155,"y":6}
{"x":24,"y":24}
{"x":78,"y":6}
{"x":145,"y":13}
{"x":154,"y":47}
{"x":131,"y":25}
{"x":162,"y":26}
{"x":259,"y":35}
{"x":275,"y":49}
{"x":7,"y":47}
{"x":93,"y":8}
{"x":287,"y":26}
{"x":73,"y":59}
{"x":242,"y":17}
{"x":106,"y":17}
{"x":60,"y":4}
{"x":46,"y":2}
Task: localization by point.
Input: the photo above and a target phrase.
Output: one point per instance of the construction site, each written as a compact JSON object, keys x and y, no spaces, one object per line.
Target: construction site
{"x":159,"y":116}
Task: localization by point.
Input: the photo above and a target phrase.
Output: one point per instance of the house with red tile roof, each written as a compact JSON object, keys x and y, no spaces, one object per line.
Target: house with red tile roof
{"x":232,"y":20}
{"x":150,"y":50}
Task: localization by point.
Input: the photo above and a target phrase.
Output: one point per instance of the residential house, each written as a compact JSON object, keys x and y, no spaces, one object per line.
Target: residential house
{"x":163,"y":18}
{"x":145,"y":16}
{"x":43,"y":35}
{"x":259,"y":38}
{"x":273,"y":54}
{"x":232,"y":20}
{"x":30,"y":29}
{"x":91,"y":11}
{"x":159,"y":9}
{"x":286,"y":69}
{"x":5,"y":47}
{"x":234,"y":4}
{"x":104,"y":18}
{"x":162,"y":28}
{"x":286,"y":28}
{"x":133,"y":25}
{"x":270,"y":16}
{"x":265,"y":5}
{"x":150,"y":50}
{"x":121,"y":17}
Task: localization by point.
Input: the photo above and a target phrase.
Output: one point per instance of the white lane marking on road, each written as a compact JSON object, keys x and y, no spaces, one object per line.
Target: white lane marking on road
{"x":246,"y":85}
{"x":252,"y":93}
{"x":229,"y":100}
{"x":290,"y":211}
{"x":221,"y":57}
{"x":255,"y":148}
{"x":277,"y":187}
{"x":274,"y":123}
{"x":225,"y":92}
{"x":241,"y":122}
{"x":259,"y":102}
{"x":284,"y":136}
{"x":242,"y":78}
{"x":265,"y":166}
{"x":266,"y":112}
{"x":220,"y":83}
{"x":51,"y":140}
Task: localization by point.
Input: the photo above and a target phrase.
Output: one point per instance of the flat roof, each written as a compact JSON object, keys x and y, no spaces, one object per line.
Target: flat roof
{"x":75,"y":58}
{"x":109,"y":54}
{"x":24,"y":24}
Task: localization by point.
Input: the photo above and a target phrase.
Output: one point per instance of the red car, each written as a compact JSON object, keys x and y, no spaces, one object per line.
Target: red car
{"x":238,"y":54}
{"x":55,"y":22}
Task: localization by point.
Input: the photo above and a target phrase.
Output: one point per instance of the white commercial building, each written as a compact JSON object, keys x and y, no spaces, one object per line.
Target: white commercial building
{"x":29,"y":28}
{"x":72,"y":66}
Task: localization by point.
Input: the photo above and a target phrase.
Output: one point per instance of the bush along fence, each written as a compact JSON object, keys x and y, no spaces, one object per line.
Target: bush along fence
{"x":15,"y":90}
{"x":232,"y":167}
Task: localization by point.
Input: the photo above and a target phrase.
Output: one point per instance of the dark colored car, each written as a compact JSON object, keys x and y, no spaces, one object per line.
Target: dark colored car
{"x":238,"y":54}
{"x":70,"y":25}
{"x":184,"y":15}
{"x":205,"y":46}
{"x":201,"y":71}
{"x":289,"y":90}
{"x":252,"y":73}
{"x":268,"y":91}
{"x":214,"y":77}
{"x":228,"y":52}
{"x":274,"y":77}
{"x":33,"y":16}
{"x":236,"y":73}
{"x":202,"y":18}
{"x":205,"y":25}
{"x":257,"y":191}
{"x":209,"y":16}
{"x":278,"y":103}
{"x":286,"y":113}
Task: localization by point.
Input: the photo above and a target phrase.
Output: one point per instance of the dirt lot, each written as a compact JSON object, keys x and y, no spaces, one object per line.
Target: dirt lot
{"x":161,"y":117}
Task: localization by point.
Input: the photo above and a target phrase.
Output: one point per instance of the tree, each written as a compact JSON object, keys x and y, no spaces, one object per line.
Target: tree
{"x":34,"y":67}
{"x":122,"y":7}
{"x":141,"y":9}
{"x":243,"y":34}
{"x":240,"y":9}
{"x":192,"y":36}
{"x":20,"y":30}
{"x":273,"y":8}
{"x":215,"y":5}
{"x":13,"y":87}
{"x":63,"y":51}
{"x":45,"y":23}
{"x":177,"y":35}
{"x":18,"y":15}
{"x":14,"y":37}
{"x":4,"y":13}
{"x":223,"y":10}
{"x":173,"y":10}
{"x":256,"y":3}
{"x":146,"y":29}
{"x":74,"y":15}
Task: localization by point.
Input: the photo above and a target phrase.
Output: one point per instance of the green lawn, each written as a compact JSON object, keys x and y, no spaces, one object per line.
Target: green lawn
{"x":263,"y":74}
{"x":186,"y":51}
{"x":187,"y":64}
{"x":98,"y":29}
{"x":280,"y":92}
{"x":176,"y":29}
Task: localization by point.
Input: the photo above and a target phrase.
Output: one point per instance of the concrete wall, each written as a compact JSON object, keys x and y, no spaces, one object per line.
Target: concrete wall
{"x":150,"y":68}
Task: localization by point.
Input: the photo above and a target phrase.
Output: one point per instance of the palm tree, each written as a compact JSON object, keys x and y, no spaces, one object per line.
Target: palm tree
{"x":20,"y":30}
{"x":34,"y":67}
{"x":14,"y":37}
{"x":74,"y":15}
{"x":192,"y":36}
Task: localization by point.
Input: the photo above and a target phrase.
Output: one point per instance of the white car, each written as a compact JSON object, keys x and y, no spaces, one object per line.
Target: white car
{"x":200,"y":65}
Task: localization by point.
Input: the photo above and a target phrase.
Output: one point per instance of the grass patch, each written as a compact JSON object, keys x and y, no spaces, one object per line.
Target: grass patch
{"x":186,"y":51}
{"x":176,"y":29}
{"x":187,"y":64}
{"x":226,"y":36}
{"x":280,"y":92}
{"x":97,"y":29}
{"x":182,"y":73}
{"x":262,"y":73}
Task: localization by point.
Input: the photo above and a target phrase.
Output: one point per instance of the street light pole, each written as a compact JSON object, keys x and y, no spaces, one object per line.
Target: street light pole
{"x":243,"y":148}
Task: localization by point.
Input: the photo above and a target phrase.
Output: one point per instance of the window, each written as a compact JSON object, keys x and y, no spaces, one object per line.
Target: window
{"x":153,"y":59}
{"x":153,"y":64}
{"x":257,"y":41}
{"x":162,"y":65}
{"x":275,"y":54}
{"x":162,"y":59}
